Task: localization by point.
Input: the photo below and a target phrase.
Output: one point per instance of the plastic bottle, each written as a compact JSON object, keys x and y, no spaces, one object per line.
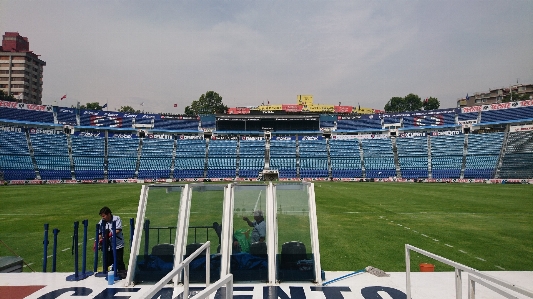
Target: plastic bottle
{"x":110,"y":276}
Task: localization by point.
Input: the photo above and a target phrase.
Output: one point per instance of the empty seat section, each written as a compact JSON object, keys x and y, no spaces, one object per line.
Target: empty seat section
{"x":51,"y":154}
{"x":313,"y":158}
{"x":121,"y":157}
{"x":15,"y":159}
{"x":378,"y":158}
{"x":433,"y":120}
{"x":190,"y":158}
{"x":283,"y":156}
{"x":222,"y":158}
{"x":345,"y":158}
{"x":446,"y":156}
{"x":482,"y":155}
{"x":66,"y":116}
{"x":176,"y":124}
{"x":156,"y":158}
{"x":507,"y":114}
{"x":27,"y":115}
{"x":518,"y":159}
{"x":88,"y":154}
{"x":365,"y":122}
{"x":251,"y":158}
{"x":413,"y":156}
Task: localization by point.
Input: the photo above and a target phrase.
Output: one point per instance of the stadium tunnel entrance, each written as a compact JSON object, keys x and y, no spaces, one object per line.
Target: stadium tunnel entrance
{"x":258,"y":232}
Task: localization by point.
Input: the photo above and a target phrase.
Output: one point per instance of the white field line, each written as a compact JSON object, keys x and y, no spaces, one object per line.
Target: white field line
{"x":446,"y":244}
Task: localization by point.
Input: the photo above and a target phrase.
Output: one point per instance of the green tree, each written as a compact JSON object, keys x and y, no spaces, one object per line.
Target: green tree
{"x":208,"y":103}
{"x":5,"y":97}
{"x":395,"y":104}
{"x":431,"y":103}
{"x":413,"y":102}
{"x":410,"y":102}
{"x":128,"y":109}
{"x":515,"y":97}
{"x":91,"y":106}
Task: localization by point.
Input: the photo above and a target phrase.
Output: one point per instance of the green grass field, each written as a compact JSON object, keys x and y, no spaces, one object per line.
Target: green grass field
{"x":487,"y":227}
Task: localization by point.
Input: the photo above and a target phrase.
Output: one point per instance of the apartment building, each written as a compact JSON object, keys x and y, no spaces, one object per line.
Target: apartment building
{"x":21,"y":70}
{"x":495,"y":95}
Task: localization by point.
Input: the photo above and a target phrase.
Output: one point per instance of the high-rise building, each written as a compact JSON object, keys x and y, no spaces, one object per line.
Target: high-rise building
{"x":21,"y":70}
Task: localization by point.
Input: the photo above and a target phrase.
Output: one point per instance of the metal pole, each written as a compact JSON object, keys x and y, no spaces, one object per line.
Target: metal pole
{"x":75,"y":244}
{"x":95,"y":265}
{"x":54,"y":254}
{"x":458,"y":284}
{"x":146,"y":237}
{"x":114,"y":244}
{"x":84,"y":249}
{"x":45,"y":245}
{"x":104,"y":246}
{"x":407,"y":272}
{"x":132,"y":229}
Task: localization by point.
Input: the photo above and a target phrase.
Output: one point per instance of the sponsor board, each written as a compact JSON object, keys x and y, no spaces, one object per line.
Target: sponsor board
{"x":257,"y":138}
{"x":412,"y":134}
{"x":160,"y":136}
{"x":497,"y":106}
{"x":44,"y":131}
{"x":11,"y":129}
{"x":446,"y":133}
{"x":34,"y":107}
{"x":310,"y":137}
{"x":524,"y":128}
{"x":191,"y":137}
{"x":283,"y":138}
{"x":90,"y":134}
{"x":468,"y":122}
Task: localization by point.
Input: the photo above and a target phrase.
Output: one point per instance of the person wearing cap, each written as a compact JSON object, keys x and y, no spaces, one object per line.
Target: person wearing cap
{"x":259,"y":227}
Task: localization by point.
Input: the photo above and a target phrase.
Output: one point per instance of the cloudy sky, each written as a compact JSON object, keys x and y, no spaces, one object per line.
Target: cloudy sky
{"x":162,"y":53}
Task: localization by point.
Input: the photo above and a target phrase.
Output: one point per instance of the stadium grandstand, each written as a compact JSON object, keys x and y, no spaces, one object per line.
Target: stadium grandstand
{"x":40,"y":143}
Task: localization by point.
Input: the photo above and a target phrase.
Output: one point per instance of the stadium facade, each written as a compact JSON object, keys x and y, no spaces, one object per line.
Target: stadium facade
{"x":66,"y":144}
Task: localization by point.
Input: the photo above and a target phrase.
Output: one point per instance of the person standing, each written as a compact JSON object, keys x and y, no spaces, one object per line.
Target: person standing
{"x":108,"y":217}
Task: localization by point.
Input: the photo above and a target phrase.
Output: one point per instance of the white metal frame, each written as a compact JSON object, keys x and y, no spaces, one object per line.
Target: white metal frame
{"x":225,"y":280}
{"x":226,"y":235}
{"x":313,"y":227}
{"x":459,"y":268}
{"x":271,"y":231}
{"x":137,"y":234}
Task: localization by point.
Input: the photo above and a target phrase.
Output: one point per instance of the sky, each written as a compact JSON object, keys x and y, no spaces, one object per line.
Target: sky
{"x":152,"y":55}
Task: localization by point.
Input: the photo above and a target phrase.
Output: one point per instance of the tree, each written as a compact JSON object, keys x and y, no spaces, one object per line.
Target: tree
{"x":208,"y":103}
{"x":395,"y":104}
{"x":413,"y":102}
{"x":431,"y":103}
{"x":410,"y":102}
{"x":515,"y":97}
{"x":92,"y":106}
{"x":5,"y":97}
{"x":128,"y":109}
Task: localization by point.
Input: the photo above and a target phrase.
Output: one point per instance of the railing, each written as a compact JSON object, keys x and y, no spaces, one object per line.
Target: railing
{"x":226,"y":280}
{"x":477,"y":276}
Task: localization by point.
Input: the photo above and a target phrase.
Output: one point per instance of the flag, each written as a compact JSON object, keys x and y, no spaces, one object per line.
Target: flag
{"x":105,"y":106}
{"x":467,"y":97}
{"x":142,"y":104}
{"x":175,"y":105}
{"x":63,"y":97}
{"x":268,"y":102}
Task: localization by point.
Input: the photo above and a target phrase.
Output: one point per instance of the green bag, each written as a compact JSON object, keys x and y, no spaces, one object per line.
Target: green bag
{"x":240,"y":235}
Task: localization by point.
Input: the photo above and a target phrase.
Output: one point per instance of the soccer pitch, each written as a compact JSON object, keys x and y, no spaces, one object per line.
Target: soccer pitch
{"x":487,"y":227}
